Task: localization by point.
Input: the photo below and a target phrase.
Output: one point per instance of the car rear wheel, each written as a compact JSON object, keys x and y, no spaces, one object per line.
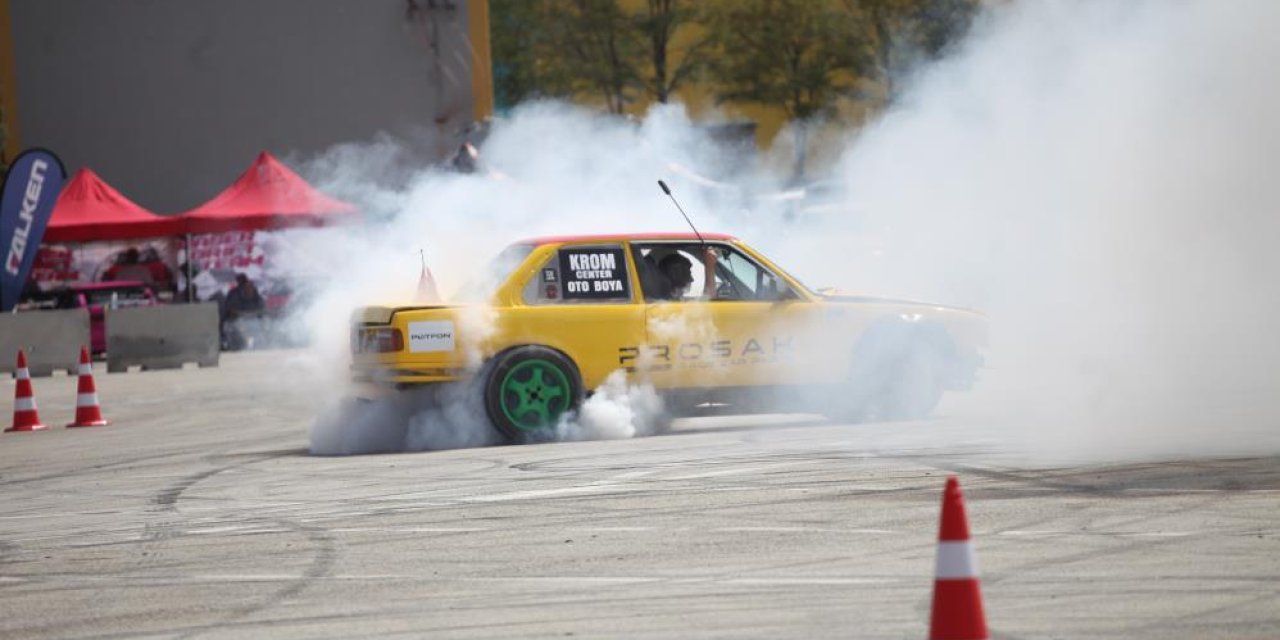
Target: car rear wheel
{"x":528,"y":389}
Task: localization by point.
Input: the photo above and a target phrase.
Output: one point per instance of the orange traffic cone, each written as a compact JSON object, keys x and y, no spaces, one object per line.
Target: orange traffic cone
{"x":88,"y":414}
{"x":25,"y":416}
{"x":957,"y":595}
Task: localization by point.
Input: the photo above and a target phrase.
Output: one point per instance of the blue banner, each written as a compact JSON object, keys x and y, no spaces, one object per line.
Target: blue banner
{"x":26,"y":202}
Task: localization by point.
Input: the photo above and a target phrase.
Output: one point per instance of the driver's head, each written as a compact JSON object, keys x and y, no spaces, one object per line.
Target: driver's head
{"x":679,"y":271}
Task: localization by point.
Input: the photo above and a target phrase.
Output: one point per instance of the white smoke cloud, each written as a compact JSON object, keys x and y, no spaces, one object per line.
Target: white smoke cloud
{"x":1097,"y":176}
{"x":1094,"y":175}
{"x":617,"y":410}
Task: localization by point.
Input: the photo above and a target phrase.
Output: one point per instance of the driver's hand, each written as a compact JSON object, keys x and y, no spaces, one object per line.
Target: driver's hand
{"x":709,"y":257}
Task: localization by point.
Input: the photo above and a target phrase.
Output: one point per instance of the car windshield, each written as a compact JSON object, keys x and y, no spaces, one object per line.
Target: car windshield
{"x":123,"y":295}
{"x":481,"y":288}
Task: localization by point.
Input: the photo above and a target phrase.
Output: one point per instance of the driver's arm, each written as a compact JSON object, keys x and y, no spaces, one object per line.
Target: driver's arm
{"x":709,"y":273}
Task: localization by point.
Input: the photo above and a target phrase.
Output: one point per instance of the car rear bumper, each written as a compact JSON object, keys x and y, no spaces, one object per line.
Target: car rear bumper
{"x":398,"y":376}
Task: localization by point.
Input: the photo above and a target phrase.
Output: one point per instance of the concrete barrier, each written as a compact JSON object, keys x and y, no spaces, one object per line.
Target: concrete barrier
{"x":162,"y":337}
{"x":52,"y":339}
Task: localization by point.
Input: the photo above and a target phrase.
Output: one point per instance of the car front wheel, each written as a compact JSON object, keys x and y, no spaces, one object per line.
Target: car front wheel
{"x":914,"y":387}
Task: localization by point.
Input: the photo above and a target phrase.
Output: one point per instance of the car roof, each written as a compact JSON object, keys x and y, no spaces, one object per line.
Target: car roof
{"x":619,"y":237}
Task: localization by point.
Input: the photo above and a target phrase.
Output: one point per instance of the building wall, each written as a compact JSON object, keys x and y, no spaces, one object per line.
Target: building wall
{"x":10,"y":146}
{"x":169,"y":100}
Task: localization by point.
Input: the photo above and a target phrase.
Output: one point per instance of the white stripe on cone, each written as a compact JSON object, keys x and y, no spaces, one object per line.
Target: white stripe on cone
{"x":24,"y":404}
{"x":86,"y":369}
{"x":955,"y":561}
{"x":22,"y":374}
{"x":87,"y":400}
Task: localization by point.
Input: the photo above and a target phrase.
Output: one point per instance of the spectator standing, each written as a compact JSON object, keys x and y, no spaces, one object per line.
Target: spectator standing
{"x":243,"y":302}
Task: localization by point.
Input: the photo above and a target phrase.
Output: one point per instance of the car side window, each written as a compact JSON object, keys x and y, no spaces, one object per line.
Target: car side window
{"x":669,"y":271}
{"x":674,"y":271}
{"x":738,"y":277}
{"x":580,"y":274}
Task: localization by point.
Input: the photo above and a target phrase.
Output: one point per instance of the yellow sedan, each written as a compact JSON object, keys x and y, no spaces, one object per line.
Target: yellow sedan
{"x":700,"y":318}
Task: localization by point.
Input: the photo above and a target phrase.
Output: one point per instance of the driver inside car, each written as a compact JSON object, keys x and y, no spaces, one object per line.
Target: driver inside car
{"x":678,"y":272}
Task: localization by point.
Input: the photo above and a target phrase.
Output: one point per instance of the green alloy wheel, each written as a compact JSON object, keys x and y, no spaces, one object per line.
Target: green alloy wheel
{"x":528,"y":389}
{"x":534,"y":394}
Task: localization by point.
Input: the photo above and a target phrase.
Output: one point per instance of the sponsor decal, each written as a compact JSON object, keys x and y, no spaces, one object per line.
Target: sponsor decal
{"x":721,"y":352}
{"x":26,"y":201}
{"x":594,"y":273}
{"x":26,"y":216}
{"x":434,"y":335}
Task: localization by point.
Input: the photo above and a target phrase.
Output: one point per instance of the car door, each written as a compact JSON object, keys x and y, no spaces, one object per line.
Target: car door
{"x":581,"y":300}
{"x":752,"y":330}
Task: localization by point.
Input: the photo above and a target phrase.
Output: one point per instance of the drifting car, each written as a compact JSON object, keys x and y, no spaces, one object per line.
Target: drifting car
{"x":561,"y":314}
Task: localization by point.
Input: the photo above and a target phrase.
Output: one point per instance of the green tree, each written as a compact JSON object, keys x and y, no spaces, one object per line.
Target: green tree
{"x":797,"y":55}
{"x":670,"y":67}
{"x":904,"y":33}
{"x":594,"y":49}
{"x":513,"y":40}
{"x":597,"y":45}
{"x":529,"y":56}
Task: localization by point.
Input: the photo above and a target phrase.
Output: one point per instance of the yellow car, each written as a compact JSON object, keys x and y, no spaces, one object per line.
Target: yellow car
{"x":703,"y":319}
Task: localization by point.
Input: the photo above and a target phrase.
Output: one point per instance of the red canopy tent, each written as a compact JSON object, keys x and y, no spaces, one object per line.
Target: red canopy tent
{"x":267,"y":196}
{"x":89,"y":209}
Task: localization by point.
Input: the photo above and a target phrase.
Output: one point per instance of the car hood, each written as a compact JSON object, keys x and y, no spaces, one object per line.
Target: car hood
{"x":832,"y":295}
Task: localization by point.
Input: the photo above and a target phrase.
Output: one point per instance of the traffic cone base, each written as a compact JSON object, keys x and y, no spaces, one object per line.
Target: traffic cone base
{"x":88,"y":413}
{"x":25,"y":415}
{"x":957,"y":611}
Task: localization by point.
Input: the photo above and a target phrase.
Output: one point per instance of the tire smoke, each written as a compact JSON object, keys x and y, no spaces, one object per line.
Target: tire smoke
{"x":1096,"y":176}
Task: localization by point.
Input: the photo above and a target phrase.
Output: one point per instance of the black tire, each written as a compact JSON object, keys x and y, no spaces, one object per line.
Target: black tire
{"x":896,"y":374}
{"x":914,"y":386}
{"x":527,"y":389}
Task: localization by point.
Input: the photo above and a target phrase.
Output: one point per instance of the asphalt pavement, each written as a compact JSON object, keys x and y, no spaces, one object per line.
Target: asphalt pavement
{"x":200,"y":514}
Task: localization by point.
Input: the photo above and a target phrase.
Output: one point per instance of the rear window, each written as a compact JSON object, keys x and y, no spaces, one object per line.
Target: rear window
{"x":582,"y":274}
{"x":481,"y":288}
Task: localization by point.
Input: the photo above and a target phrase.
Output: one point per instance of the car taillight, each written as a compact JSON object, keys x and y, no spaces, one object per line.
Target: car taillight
{"x":382,"y":340}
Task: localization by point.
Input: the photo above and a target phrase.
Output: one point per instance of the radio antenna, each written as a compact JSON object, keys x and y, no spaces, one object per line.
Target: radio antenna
{"x":667,"y":191}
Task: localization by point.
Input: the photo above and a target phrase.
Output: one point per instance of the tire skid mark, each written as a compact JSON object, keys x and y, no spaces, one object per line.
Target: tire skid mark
{"x":1201,"y":500}
{"x":78,"y":471}
{"x":1256,"y":599}
{"x":1127,"y":478}
{"x":8,"y":550}
{"x":167,"y":498}
{"x":1113,"y":546}
{"x":92,"y":468}
{"x":322,"y":563}
{"x":588,"y":506}
{"x":156,"y":533}
{"x":321,"y":538}
{"x":321,"y":566}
